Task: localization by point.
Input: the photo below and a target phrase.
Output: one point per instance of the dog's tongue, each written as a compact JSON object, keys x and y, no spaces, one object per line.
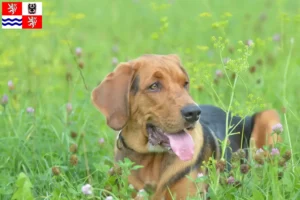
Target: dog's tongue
{"x":182,"y":145}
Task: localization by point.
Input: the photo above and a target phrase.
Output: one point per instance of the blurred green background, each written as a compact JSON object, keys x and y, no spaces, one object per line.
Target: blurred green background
{"x":47,"y":74}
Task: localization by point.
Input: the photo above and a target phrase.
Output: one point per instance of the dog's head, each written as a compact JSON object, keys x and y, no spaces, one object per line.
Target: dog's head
{"x":150,"y":95}
{"x":31,"y":8}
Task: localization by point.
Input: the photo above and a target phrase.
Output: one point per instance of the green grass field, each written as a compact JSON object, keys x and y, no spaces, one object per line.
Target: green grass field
{"x":64,"y":144}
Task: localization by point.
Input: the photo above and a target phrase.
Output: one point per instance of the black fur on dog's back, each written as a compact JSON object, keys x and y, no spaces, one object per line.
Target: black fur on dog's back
{"x":241,"y":128}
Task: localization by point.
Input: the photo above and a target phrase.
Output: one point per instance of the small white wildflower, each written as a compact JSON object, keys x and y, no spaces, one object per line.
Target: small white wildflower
{"x":200,"y":175}
{"x":4,"y":100}
{"x":109,"y":198}
{"x":10,"y":85}
{"x":230,"y":180}
{"x":101,"y":141}
{"x":275,"y":152}
{"x":30,"y":110}
{"x":219,"y":73}
{"x":78,"y":51}
{"x":114,"y":61}
{"x":87,"y":189}
{"x":250,"y":43}
{"x":277,"y":128}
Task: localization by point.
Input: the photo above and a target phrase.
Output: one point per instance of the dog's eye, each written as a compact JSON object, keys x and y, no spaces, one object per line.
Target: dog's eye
{"x":154,"y":87}
{"x":186,"y":84}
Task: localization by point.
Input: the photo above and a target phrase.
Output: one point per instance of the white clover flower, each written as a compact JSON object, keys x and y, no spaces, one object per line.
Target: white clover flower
{"x":87,"y":189}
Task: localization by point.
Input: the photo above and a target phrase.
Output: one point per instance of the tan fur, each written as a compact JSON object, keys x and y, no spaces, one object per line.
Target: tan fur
{"x":261,"y":134}
{"x":156,"y":171}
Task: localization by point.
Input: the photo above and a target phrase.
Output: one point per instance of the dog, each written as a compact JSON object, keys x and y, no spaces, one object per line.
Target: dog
{"x":163,"y":129}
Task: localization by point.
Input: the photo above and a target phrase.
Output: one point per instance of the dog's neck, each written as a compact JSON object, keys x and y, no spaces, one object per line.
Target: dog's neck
{"x":135,"y":137}
{"x":154,"y":171}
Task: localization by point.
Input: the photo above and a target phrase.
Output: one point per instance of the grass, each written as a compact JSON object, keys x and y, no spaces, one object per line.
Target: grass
{"x":52,"y":152}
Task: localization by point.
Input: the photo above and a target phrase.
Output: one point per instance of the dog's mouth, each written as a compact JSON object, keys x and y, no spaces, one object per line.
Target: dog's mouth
{"x":181,"y":142}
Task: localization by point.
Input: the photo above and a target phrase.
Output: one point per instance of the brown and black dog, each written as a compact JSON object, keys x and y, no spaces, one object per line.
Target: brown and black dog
{"x":148,"y":101}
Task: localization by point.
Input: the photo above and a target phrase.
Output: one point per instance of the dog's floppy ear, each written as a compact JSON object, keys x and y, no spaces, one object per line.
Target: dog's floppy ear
{"x":262,"y":128}
{"x":112,"y":95}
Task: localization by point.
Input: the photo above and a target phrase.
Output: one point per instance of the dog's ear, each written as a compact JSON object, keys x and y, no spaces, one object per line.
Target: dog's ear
{"x":262,"y":128}
{"x":112,"y":95}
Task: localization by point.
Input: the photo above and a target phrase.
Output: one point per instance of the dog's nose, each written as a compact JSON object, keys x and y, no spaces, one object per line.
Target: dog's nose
{"x":191,"y":113}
